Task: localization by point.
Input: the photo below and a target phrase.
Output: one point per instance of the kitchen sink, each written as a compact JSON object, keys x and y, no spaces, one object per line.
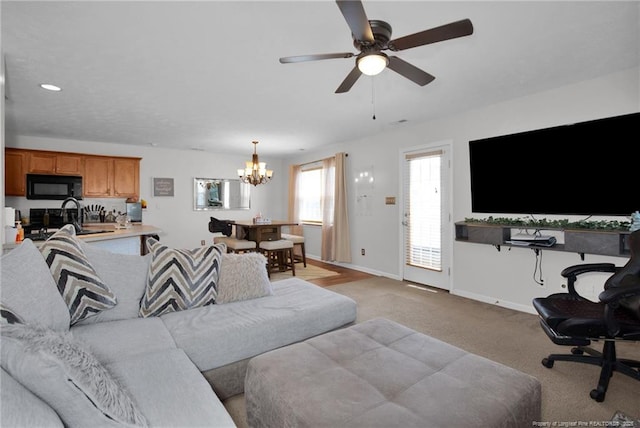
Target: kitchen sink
{"x":36,"y":236}
{"x":92,"y":231}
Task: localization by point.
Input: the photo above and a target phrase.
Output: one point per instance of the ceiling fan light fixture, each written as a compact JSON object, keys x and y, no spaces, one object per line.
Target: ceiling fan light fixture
{"x":373,"y":63}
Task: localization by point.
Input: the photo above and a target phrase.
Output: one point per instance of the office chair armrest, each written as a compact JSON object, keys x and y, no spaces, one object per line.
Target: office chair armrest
{"x":576,"y":270}
{"x":572,"y":272}
{"x":629,"y":287}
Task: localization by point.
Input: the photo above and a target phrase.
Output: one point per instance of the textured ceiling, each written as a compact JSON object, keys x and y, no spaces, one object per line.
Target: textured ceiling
{"x":206,"y":75}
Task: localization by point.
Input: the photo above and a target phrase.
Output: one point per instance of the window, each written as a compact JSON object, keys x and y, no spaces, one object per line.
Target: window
{"x":310,"y":195}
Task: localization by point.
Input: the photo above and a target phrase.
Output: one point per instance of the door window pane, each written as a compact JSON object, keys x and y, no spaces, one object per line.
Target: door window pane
{"x":423,"y":208}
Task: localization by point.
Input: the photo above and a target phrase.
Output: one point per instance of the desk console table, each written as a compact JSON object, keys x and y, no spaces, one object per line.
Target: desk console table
{"x":581,"y":241}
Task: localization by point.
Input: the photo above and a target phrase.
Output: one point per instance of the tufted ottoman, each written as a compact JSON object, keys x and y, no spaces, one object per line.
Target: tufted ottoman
{"x":382,"y":374}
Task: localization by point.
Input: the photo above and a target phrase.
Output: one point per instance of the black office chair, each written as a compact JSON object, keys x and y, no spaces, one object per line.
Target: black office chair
{"x":572,"y":320}
{"x":222,"y":226}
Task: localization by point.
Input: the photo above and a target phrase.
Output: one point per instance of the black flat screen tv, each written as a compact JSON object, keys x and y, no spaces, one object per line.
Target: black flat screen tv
{"x":587,"y":168}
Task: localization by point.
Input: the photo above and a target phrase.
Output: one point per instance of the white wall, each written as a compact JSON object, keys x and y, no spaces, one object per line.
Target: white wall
{"x":182,"y":226}
{"x":478,"y":271}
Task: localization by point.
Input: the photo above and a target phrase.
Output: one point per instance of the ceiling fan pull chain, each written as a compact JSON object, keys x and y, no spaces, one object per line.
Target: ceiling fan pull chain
{"x":373,"y":99}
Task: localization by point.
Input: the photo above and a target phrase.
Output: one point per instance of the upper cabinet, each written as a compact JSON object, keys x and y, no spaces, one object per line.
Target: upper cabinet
{"x":15,"y":172}
{"x":111,"y":177}
{"x":103,"y":176}
{"x":55,"y":163}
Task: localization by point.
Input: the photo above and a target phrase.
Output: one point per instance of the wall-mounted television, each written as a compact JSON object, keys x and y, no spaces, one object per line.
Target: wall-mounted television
{"x":586,"y":168}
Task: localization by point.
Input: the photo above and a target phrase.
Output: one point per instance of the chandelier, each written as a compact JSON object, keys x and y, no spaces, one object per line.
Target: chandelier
{"x":255,"y":172}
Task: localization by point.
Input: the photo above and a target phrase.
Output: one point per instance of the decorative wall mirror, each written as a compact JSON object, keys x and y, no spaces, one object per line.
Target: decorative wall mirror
{"x":220,"y":194}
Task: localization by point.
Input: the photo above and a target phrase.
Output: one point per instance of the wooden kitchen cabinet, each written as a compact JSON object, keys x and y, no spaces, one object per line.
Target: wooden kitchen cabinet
{"x":111,"y":177}
{"x":103,"y":176}
{"x":55,"y":163}
{"x":15,"y":172}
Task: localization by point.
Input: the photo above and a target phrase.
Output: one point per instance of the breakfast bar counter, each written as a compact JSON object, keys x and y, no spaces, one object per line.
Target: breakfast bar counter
{"x":130,"y":240}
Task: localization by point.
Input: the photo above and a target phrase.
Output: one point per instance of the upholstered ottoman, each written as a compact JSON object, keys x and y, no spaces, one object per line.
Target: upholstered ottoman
{"x":382,"y":374}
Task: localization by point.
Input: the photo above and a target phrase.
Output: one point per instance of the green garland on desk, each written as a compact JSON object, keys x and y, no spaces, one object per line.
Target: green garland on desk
{"x":555,"y":224}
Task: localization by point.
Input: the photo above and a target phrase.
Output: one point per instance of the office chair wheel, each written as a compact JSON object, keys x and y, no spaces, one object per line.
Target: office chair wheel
{"x":547,"y":363}
{"x":597,"y":395}
{"x":577,"y":351}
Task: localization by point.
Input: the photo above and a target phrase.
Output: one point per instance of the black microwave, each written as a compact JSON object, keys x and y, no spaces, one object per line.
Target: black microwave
{"x":56,"y":187}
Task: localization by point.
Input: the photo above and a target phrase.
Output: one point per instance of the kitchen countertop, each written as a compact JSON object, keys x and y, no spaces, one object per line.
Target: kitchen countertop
{"x":113,"y":233}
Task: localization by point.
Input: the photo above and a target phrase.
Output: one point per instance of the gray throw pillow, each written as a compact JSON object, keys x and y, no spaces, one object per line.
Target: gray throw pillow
{"x":57,"y":368}
{"x":29,"y":290}
{"x":180,"y":279}
{"x":78,"y":283}
{"x":126,"y":276}
{"x":8,"y":316}
{"x":242,"y":277}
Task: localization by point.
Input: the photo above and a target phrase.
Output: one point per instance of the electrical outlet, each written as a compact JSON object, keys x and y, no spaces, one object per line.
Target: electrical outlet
{"x":202,"y":242}
{"x":362,"y":251}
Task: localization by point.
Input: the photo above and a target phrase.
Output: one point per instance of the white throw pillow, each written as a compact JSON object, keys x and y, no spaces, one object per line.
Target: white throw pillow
{"x":242,"y":277}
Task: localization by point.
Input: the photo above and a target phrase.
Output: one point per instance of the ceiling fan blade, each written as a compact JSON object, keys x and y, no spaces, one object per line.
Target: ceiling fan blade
{"x":303,"y":58}
{"x":437,"y":34}
{"x":409,"y":71}
{"x":356,"y":18}
{"x":349,"y":81}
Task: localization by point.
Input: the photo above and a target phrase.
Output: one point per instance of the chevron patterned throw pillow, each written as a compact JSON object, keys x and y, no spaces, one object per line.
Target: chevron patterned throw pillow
{"x":180,"y":279}
{"x":82,"y":290}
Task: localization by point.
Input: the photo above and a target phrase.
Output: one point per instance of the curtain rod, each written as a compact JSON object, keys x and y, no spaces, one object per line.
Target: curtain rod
{"x":319,"y":160}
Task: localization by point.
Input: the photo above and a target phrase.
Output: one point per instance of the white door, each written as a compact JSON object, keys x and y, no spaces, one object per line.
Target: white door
{"x":426,"y":221}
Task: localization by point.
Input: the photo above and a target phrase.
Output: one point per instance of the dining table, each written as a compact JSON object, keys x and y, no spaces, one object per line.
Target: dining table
{"x":260,"y":231}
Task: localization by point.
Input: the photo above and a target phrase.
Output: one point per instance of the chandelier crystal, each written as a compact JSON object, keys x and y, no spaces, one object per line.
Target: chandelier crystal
{"x":255,"y":172}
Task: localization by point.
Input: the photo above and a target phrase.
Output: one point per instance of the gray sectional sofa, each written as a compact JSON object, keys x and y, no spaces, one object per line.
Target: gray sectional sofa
{"x":115,"y":367}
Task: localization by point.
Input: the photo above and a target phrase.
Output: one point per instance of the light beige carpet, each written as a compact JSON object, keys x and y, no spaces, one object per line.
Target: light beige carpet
{"x":510,"y":337}
{"x":306,"y":273}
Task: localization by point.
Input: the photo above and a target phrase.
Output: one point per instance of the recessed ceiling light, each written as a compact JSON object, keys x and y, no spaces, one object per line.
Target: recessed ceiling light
{"x":50,"y":87}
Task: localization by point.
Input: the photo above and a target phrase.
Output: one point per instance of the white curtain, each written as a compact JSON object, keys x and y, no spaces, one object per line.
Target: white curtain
{"x":294,"y":200}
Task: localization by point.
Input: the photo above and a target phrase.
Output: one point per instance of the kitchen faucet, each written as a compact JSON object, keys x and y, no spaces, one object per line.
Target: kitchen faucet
{"x":77,"y":221}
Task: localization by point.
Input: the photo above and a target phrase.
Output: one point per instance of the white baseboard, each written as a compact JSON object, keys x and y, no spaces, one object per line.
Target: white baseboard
{"x":473,"y":296}
{"x":358,"y":268}
{"x":494,"y":301}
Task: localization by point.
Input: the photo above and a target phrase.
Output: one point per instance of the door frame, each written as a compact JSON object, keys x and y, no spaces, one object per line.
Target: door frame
{"x":447,"y":232}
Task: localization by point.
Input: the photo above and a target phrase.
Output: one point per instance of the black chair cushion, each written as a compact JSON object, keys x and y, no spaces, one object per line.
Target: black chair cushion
{"x":568,"y":315}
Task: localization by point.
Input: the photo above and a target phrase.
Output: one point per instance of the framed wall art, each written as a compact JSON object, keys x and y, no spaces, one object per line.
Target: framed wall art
{"x":163,"y":186}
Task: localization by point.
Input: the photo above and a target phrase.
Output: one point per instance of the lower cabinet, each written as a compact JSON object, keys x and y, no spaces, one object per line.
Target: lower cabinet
{"x":130,"y":245}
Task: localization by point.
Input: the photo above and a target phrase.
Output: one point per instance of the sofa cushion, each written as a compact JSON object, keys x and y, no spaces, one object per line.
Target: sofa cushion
{"x":242,"y":277}
{"x":116,"y":340}
{"x":170,"y":390}
{"x":29,"y":290}
{"x":126,"y":276}
{"x":217,"y":335}
{"x":66,"y":376}
{"x":19,"y":407}
{"x":80,"y":286}
{"x":180,"y":279}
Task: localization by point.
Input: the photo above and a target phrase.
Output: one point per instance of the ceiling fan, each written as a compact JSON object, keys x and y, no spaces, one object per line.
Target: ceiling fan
{"x":371,"y":37}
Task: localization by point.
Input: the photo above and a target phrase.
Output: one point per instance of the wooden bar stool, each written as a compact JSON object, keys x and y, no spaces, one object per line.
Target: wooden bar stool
{"x":279,"y":256}
{"x":298,"y":240}
{"x":235,"y":245}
